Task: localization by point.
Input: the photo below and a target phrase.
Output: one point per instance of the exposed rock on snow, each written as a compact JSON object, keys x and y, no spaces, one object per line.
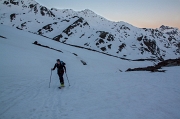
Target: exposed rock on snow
{"x":45,"y":46}
{"x":166,"y":63}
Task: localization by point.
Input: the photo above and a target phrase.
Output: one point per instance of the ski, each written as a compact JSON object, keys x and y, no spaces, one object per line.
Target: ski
{"x":61,"y":87}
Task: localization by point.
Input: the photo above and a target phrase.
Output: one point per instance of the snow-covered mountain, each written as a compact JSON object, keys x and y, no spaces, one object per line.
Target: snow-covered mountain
{"x":87,"y":29}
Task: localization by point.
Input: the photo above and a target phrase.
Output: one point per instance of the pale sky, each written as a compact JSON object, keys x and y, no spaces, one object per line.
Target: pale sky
{"x":140,"y":13}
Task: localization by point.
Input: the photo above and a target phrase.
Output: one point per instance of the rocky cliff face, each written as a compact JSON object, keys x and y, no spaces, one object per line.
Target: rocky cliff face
{"x":89,"y":30}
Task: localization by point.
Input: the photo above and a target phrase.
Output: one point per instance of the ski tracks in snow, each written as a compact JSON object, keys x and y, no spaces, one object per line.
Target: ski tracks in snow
{"x":34,"y":100}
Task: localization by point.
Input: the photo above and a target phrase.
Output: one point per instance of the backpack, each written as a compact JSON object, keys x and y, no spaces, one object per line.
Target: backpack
{"x":62,"y":63}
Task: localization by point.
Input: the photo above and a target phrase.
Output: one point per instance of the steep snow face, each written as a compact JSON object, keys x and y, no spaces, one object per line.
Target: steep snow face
{"x":87,"y":29}
{"x":95,"y":21}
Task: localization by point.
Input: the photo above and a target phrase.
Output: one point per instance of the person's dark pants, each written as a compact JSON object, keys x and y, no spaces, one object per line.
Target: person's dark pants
{"x":61,"y":78}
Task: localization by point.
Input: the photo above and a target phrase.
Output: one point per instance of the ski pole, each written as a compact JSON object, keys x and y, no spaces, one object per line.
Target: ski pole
{"x":67,"y":79}
{"x":50,"y":79}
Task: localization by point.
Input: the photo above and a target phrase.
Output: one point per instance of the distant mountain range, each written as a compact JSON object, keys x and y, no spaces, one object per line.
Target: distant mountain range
{"x":91,"y":31}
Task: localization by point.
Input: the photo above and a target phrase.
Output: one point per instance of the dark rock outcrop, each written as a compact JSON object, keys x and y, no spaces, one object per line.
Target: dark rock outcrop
{"x":157,"y":67}
{"x":45,"y":46}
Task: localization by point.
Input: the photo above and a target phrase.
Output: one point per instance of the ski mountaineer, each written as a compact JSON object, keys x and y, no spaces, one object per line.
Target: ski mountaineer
{"x":60,"y":65}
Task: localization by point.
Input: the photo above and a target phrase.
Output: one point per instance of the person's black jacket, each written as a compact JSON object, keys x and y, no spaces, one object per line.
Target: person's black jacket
{"x":60,"y":68}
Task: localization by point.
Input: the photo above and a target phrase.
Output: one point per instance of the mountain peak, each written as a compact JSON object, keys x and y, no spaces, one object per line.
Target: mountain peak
{"x":163,"y":27}
{"x":88,"y":11}
{"x":169,"y":30}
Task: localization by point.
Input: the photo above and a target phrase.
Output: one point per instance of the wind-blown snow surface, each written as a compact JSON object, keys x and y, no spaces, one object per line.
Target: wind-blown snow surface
{"x":98,"y":90}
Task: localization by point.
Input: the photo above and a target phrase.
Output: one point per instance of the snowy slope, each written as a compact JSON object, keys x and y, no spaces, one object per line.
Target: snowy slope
{"x":87,"y":29}
{"x":98,"y":90}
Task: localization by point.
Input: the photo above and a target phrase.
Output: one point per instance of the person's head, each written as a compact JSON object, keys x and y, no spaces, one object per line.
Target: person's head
{"x":58,"y":61}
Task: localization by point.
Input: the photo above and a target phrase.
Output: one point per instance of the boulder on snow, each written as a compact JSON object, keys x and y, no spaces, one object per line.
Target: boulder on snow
{"x":83,"y":62}
{"x":103,"y":48}
{"x":12,"y":16}
{"x":35,"y":42}
{"x":3,"y":37}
